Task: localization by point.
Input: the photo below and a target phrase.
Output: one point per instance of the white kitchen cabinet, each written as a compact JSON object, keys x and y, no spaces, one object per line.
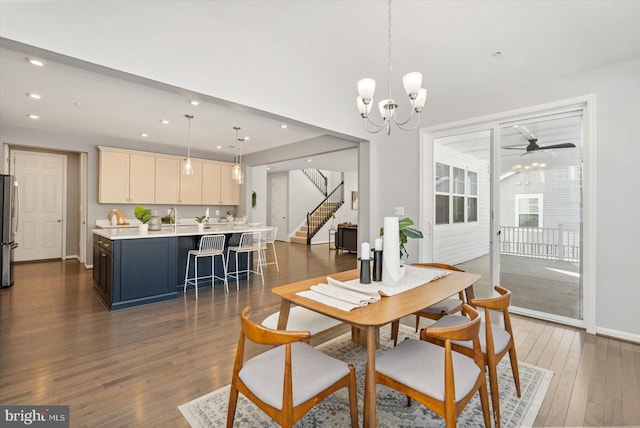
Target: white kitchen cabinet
{"x":125,"y":177}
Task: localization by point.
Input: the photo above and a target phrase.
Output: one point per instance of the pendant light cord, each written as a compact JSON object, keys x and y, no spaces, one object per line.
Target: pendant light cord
{"x":389,"y":48}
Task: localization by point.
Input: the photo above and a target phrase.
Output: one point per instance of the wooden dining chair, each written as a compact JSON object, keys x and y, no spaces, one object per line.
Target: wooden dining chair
{"x":495,"y":341}
{"x":446,"y":307}
{"x":289,"y":379}
{"x":440,"y":379}
{"x":437,"y":311}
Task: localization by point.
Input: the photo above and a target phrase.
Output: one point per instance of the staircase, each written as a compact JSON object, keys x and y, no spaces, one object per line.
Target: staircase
{"x":319,"y":217}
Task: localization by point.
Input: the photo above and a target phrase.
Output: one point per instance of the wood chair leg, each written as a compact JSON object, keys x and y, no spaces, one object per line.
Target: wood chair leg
{"x":233,"y":401}
{"x":417,"y":322}
{"x":495,"y":399}
{"x":353,"y":397}
{"x":395,"y":329}
{"x":484,"y":402}
{"x":514,"y":369}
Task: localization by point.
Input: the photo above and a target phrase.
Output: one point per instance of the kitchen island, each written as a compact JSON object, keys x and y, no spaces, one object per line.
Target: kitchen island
{"x":132,"y":268}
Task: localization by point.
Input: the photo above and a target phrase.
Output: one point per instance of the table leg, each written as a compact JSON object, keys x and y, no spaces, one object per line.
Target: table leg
{"x":469,"y":294}
{"x":285,"y":305}
{"x":369,"y":416}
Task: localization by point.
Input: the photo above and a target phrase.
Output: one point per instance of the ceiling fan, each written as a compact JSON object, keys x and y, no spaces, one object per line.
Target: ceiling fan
{"x":533,"y":146}
{"x":533,"y":143}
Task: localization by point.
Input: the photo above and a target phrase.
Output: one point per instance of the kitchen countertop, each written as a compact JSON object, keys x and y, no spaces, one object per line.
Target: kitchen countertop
{"x":183,"y":230}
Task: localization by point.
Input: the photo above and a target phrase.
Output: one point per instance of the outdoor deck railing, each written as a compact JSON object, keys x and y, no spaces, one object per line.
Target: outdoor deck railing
{"x":554,"y":243}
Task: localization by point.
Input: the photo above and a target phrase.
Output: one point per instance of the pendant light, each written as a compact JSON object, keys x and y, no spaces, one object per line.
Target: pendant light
{"x":236,"y":171}
{"x":188,"y":166}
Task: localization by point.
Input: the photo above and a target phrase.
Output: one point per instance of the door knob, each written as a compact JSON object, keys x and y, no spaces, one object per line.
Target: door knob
{"x":59,"y":220}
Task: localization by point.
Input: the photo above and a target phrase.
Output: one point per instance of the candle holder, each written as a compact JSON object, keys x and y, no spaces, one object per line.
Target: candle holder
{"x":377,"y":265}
{"x":365,"y":271}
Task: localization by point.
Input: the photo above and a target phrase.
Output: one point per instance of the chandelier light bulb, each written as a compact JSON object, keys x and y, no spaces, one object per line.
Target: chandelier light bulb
{"x":412,"y":83}
{"x":420,"y":100}
{"x":366,"y":89}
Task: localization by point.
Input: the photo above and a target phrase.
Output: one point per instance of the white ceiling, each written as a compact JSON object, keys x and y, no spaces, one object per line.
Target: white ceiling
{"x":125,"y":65}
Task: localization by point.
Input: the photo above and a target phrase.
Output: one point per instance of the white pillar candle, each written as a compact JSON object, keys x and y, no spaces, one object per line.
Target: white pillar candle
{"x":207,"y":212}
{"x":378,"y":244}
{"x":365,"y":252}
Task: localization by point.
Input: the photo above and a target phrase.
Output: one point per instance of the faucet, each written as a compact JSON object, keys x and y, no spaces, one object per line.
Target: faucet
{"x":173,"y":210}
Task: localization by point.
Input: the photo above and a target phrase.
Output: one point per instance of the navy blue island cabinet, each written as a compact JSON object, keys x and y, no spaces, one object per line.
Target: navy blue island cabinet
{"x":131,"y":272}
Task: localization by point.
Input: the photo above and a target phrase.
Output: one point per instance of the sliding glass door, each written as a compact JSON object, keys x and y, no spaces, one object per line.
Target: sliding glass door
{"x":541,"y":213}
{"x":504,"y":199}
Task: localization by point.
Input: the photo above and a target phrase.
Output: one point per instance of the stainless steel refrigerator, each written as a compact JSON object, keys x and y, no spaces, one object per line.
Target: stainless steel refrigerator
{"x":9,"y":200}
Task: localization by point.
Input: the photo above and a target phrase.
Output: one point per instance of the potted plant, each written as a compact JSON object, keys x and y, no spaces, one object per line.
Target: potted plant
{"x":144,"y":215}
{"x":405,"y":232}
{"x":230,"y":215}
{"x":200,"y":220}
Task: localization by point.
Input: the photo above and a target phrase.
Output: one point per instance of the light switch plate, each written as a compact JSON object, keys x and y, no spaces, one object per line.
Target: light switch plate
{"x":398,"y":210}
{"x":217,"y":212}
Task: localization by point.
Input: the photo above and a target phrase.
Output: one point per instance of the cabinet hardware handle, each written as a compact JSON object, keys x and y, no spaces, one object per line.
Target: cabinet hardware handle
{"x":106,"y":245}
{"x":103,"y":255}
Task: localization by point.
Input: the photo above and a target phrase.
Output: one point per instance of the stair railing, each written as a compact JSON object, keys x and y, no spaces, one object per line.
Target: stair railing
{"x":318,"y":179}
{"x":322,"y":213}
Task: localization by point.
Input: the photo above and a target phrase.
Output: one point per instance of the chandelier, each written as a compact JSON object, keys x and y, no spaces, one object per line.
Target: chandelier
{"x":412,"y":85}
{"x":236,"y":170}
{"x":188,"y":166}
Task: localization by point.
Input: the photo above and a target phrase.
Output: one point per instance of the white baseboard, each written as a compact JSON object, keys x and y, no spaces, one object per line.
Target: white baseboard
{"x":86,"y":266}
{"x":72,"y":257}
{"x":617,"y":334}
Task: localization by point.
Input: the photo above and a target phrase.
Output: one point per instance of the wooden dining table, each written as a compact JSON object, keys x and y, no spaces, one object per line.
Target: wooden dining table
{"x":375,"y":315}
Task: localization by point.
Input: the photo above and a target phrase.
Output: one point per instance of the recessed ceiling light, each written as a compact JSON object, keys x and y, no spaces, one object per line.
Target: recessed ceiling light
{"x":194,"y":102}
{"x":268,"y":168}
{"x":527,"y":167}
{"x":34,"y":96}
{"x":218,"y":147}
{"x":283,"y":126}
{"x":33,"y":116}
{"x":309,"y":160}
{"x":542,"y":165}
{"x":36,"y":62}
{"x":144,"y":134}
{"x":534,"y":164}
{"x":164,"y":121}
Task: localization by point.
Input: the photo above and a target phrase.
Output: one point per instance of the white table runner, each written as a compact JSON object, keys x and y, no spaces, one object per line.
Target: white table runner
{"x":349,"y":295}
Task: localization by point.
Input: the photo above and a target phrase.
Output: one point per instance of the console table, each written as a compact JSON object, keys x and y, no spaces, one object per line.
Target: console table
{"x":347,"y":238}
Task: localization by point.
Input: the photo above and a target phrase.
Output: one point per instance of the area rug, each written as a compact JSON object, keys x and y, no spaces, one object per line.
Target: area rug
{"x":210,"y":410}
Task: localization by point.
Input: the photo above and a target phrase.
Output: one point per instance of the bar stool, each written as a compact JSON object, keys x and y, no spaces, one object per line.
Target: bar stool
{"x":210,"y":246}
{"x":269,"y":238}
{"x":249,"y":242}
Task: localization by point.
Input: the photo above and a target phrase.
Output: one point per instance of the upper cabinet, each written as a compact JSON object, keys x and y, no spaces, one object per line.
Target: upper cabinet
{"x":131,"y":177}
{"x":125,"y":177}
{"x":218,"y":188}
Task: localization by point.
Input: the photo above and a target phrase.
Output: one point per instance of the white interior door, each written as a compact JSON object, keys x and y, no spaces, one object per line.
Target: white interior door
{"x":41,"y":177}
{"x":279,"y":187}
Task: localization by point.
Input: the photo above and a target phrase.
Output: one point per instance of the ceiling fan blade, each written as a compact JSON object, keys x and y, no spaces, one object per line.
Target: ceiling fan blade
{"x":514,"y":148}
{"x":558,"y":146}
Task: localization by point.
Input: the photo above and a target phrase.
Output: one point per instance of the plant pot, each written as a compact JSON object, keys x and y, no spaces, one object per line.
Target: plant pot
{"x":200,"y":227}
{"x":229,"y":218}
{"x":143,"y":228}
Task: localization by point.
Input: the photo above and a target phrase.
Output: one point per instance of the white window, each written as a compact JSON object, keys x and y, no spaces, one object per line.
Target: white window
{"x":529,"y":210}
{"x":443,"y":180}
{"x":456,"y":194}
{"x":472,"y":197}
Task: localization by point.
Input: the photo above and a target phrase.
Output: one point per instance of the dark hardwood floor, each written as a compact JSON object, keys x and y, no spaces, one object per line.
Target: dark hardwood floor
{"x":133,"y":367}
